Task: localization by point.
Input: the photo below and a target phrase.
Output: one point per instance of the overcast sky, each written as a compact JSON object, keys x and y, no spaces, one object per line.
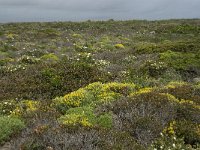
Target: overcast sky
{"x":80,"y":10}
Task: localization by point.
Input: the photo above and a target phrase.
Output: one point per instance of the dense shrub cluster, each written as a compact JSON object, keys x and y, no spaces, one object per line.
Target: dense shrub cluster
{"x":90,"y":139}
{"x":180,"y":60}
{"x":144,"y":114}
{"x":115,"y":111}
{"x":79,"y":106}
{"x":46,"y":81}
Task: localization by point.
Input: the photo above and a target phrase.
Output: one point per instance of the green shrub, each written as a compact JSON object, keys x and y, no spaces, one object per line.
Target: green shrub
{"x":85,"y":117}
{"x":105,"y":120}
{"x":169,"y":75}
{"x":145,"y":47}
{"x":4,"y":56}
{"x":179,"y":60}
{"x":1,"y":33}
{"x":82,"y":116}
{"x":180,"y":46}
{"x":52,"y":77}
{"x":49,"y":57}
{"x":8,"y":127}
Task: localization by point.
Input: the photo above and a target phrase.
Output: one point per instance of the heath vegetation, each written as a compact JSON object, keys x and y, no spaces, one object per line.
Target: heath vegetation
{"x":97,"y":85}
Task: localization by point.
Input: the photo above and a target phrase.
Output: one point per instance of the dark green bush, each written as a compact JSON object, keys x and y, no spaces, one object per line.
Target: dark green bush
{"x":187,"y":110}
{"x":189,"y":131}
{"x":44,"y":81}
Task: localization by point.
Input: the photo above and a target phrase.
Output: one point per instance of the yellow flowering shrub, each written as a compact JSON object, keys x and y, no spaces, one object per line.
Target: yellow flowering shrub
{"x":94,"y":88}
{"x":105,"y":97}
{"x":123,"y":88}
{"x":74,"y":98}
{"x":119,"y":46}
{"x":11,"y":36}
{"x":25,"y":106}
{"x":14,"y":108}
{"x":175,"y":84}
{"x":78,"y":107}
{"x":75,"y":119}
{"x":141,"y":91}
{"x":93,"y":94}
{"x":170,"y":130}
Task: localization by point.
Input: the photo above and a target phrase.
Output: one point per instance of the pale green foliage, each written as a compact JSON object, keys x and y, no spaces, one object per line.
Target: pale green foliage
{"x":50,"y":57}
{"x":85,"y":117}
{"x":9,"y":126}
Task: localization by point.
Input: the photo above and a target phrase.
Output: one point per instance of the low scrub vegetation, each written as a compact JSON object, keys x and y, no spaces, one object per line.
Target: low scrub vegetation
{"x":128,"y":85}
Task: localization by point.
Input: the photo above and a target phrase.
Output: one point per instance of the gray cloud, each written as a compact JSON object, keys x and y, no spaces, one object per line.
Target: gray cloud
{"x":10,"y":3}
{"x":77,"y":10}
